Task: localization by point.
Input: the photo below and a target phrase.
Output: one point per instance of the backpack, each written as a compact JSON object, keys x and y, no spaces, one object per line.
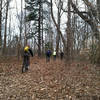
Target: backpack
{"x":48,"y":52}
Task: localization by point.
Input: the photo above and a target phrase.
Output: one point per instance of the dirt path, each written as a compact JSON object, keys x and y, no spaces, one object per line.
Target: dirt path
{"x":49,"y":81}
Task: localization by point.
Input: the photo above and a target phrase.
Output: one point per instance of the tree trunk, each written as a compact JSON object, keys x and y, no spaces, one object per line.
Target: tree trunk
{"x":20,"y":38}
{"x":0,"y":23}
{"x":21,"y":20}
{"x":87,"y":19}
{"x":69,"y":35}
{"x":98,"y":7}
{"x":39,"y":30}
{"x":25,"y":39}
{"x":5,"y":33}
{"x":42,"y":32}
{"x":58,"y":35}
{"x":63,"y":40}
{"x":9,"y":35}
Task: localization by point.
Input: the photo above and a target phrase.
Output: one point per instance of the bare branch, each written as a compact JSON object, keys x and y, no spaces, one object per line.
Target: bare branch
{"x":86,"y":19}
{"x":64,"y":42}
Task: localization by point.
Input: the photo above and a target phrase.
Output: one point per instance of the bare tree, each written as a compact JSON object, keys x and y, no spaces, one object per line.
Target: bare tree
{"x":42,"y":29}
{"x":21,"y":20}
{"x":39,"y":30}
{"x":59,"y":31}
{"x":87,"y":18}
{"x":69,"y":34}
{"x":25,"y":38}
{"x":98,"y":7}
{"x":9,"y":34}
{"x":59,"y":6}
{"x":0,"y":22}
{"x":5,"y":33}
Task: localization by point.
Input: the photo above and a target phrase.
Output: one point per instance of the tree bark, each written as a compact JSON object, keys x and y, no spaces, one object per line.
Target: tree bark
{"x":25,"y":39}
{"x":42,"y":32}
{"x":98,"y":7}
{"x":5,"y":33}
{"x":21,"y":20}
{"x":90,"y":21}
{"x":63,"y":40}
{"x":39,"y":30}
{"x":0,"y":23}
{"x":58,"y":35}
{"x":69,"y":35}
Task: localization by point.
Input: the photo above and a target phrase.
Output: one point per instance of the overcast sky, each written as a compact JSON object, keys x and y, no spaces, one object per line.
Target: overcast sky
{"x":17,"y":4}
{"x":13,"y":13}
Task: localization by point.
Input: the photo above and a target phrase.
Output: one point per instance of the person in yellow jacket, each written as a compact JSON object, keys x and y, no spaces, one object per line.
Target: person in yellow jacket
{"x":26,"y":58}
{"x":54,"y":55}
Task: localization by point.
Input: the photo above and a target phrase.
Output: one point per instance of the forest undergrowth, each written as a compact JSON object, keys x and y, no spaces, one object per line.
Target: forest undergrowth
{"x":54,"y":80}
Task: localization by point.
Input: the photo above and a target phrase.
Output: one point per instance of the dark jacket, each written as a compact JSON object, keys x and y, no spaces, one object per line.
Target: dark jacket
{"x":48,"y":53}
{"x":26,"y":60}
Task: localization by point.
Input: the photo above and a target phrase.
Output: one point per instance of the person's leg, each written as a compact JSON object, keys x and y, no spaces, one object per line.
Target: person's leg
{"x":27,"y":63}
{"x":55,"y":57}
{"x":61,"y":57}
{"x":26,"y":68}
{"x":48,"y":58}
{"x":23,"y":68}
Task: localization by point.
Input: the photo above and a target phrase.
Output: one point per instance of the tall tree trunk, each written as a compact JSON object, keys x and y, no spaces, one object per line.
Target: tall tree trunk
{"x":98,"y":7}
{"x":25,"y":39}
{"x":19,"y":40}
{"x":87,"y":19}
{"x":63,"y":40}
{"x":9,"y":34}
{"x":21,"y":20}
{"x":69,"y":35}
{"x":42,"y":32}
{"x":39,"y":30}
{"x":5,"y":33}
{"x":0,"y":23}
{"x":58,"y":35}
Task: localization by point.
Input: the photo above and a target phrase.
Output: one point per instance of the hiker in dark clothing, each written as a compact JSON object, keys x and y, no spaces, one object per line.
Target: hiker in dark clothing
{"x":26,"y":58}
{"x":61,"y":55}
{"x":48,"y":55}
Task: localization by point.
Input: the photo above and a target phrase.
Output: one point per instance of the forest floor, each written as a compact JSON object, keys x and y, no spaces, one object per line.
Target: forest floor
{"x":54,"y":80}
